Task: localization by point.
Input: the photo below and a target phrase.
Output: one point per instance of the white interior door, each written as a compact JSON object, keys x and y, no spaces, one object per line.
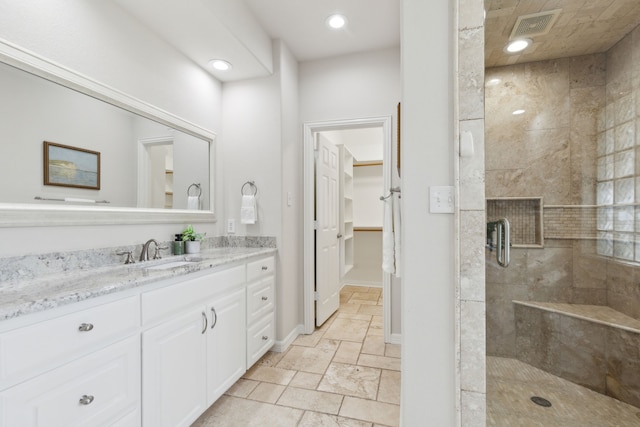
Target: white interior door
{"x":327,"y":240}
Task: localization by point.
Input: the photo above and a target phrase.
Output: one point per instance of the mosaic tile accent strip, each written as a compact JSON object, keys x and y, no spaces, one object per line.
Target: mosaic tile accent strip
{"x":570,"y":222}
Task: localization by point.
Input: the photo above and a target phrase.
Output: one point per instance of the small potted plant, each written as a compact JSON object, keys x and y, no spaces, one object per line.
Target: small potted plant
{"x":192,"y":240}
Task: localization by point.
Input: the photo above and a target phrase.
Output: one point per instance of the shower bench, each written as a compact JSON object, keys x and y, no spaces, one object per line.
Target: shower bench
{"x":593,"y":346}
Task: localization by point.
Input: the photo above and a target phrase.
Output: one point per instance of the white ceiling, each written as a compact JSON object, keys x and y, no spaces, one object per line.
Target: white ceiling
{"x":373,"y":24}
{"x":240,"y":31}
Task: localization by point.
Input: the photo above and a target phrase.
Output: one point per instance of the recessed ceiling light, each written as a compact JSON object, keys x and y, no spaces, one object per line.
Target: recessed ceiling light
{"x":518,"y":112}
{"x":519,"y":45}
{"x":337,"y":21}
{"x":220,"y":64}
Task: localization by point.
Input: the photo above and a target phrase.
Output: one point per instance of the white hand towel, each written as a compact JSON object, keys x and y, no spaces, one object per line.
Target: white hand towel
{"x":397,"y":224}
{"x":193,"y":203}
{"x":388,"y":260}
{"x":248,"y":210}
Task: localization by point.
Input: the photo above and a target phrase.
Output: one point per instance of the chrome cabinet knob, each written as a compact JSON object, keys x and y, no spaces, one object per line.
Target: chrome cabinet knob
{"x":264,"y":337}
{"x":264,"y":298}
{"x":85,"y":327}
{"x":265,"y":268}
{"x":86,"y":399}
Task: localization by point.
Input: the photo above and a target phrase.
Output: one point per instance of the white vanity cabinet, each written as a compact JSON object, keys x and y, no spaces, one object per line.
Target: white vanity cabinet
{"x":77,"y":369}
{"x":260,"y":308}
{"x":155,"y":356}
{"x":195,"y":349}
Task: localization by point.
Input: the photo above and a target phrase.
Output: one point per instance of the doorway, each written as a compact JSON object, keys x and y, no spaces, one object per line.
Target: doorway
{"x":310,"y":132}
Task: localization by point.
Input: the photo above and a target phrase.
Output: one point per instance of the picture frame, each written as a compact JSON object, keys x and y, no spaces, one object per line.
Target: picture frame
{"x":67,"y":166}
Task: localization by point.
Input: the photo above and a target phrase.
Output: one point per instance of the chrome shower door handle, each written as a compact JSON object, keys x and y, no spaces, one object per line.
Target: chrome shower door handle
{"x":503,"y":253}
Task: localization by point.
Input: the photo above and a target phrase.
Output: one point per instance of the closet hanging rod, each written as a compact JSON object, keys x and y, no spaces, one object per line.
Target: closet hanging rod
{"x":391,"y":191}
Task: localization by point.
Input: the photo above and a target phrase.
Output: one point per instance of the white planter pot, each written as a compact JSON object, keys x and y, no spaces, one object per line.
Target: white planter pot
{"x":192,"y":247}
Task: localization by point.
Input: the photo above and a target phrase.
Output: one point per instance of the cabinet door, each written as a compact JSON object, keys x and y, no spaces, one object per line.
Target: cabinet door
{"x":226,"y":343}
{"x":174,"y":385}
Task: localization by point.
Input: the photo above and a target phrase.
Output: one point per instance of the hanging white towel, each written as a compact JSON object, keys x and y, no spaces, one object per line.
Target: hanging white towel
{"x":193,"y":203}
{"x":388,"y":256}
{"x":248,"y":210}
{"x":397,"y":223}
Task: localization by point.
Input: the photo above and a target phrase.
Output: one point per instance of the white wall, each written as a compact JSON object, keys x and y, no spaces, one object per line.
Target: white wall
{"x":367,"y":189}
{"x":99,"y":40}
{"x":263,"y":144}
{"x":349,"y":87}
{"x":290,"y":293}
{"x":428,"y":356}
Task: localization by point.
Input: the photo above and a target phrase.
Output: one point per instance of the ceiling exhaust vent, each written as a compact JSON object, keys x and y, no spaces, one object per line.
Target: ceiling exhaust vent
{"x":535,"y":24}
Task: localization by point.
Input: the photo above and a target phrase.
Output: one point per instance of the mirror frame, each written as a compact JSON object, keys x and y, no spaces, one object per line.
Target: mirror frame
{"x":25,"y":214}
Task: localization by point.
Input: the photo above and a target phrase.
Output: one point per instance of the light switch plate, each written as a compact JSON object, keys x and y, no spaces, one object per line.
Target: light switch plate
{"x":441,"y":199}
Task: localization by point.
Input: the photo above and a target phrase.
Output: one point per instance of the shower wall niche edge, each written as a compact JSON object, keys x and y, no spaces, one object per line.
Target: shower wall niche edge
{"x":525,"y":214}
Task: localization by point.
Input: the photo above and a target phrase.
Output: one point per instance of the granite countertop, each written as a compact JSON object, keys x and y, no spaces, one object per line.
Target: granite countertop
{"x":22,"y":297}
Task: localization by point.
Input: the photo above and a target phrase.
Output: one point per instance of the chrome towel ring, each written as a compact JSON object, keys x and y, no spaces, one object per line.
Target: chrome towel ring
{"x":198,"y":189}
{"x":252,"y":186}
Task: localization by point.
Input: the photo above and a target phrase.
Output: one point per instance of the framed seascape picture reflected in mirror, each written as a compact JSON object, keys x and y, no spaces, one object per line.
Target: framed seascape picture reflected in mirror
{"x":68,"y":166}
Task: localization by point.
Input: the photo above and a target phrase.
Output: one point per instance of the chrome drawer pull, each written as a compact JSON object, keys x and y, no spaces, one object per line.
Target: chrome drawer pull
{"x":205,"y":321}
{"x":264,"y":337}
{"x":265,"y":268}
{"x":264,"y":298}
{"x":86,"y":400}
{"x":85,"y":327}
{"x":214,"y":318}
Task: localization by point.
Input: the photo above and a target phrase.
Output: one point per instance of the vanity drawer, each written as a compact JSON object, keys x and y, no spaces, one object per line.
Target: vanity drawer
{"x":31,"y":350}
{"x":260,"y":338}
{"x":260,"y":268}
{"x":259,"y":299}
{"x":102,"y":388}
{"x":159,"y":304}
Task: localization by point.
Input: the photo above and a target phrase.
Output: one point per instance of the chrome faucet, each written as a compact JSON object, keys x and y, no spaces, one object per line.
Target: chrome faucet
{"x":144,"y":255}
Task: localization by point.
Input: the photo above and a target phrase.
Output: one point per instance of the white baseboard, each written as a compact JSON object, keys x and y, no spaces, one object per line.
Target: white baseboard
{"x":371,"y":284}
{"x":282,"y":345}
{"x":395,"y":339}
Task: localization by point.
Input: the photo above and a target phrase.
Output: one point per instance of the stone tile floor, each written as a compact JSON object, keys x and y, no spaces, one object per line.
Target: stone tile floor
{"x":341,"y":375}
{"x":511,"y":384}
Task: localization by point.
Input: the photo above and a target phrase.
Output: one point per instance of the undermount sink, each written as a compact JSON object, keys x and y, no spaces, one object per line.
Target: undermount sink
{"x":173,"y":264}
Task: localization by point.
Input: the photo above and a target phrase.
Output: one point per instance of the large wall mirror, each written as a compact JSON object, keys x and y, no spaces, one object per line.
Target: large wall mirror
{"x":74,"y":151}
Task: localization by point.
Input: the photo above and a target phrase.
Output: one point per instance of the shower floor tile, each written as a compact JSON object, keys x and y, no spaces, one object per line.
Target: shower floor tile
{"x":511,"y":384}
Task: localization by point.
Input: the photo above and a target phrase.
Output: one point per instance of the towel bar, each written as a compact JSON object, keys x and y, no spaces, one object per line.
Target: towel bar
{"x":391,"y":191}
